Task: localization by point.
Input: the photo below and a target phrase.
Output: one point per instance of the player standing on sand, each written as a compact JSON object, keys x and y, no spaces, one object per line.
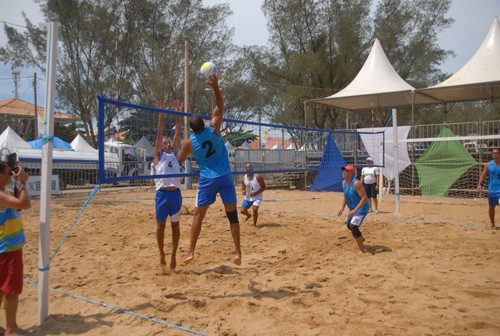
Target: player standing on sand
{"x":492,"y":168}
{"x":357,"y":201}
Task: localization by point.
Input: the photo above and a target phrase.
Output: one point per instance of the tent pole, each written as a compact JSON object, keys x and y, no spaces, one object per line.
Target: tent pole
{"x":305,"y":114}
{"x":412,"y":147}
{"x":396,"y":157}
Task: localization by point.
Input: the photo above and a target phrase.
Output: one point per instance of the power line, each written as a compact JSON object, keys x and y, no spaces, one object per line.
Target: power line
{"x":12,"y":24}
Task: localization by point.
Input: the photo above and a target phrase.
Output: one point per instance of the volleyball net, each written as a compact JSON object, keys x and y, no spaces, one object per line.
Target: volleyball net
{"x":126,"y":145}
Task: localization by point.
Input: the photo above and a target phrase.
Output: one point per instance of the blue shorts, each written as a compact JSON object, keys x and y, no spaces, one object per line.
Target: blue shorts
{"x":247,"y":204}
{"x":168,"y":203}
{"x":357,"y":219}
{"x":209,"y":187}
{"x":494,"y":198}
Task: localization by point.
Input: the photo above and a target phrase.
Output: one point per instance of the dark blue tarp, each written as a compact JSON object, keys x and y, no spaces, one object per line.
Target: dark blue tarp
{"x":58,"y":143}
{"x":331,"y":179}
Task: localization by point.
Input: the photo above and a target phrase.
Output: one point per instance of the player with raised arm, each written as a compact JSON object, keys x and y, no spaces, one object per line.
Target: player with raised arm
{"x":207,"y":146}
{"x":168,"y":199}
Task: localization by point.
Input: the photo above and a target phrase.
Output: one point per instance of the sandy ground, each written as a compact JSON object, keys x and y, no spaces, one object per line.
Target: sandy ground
{"x":433,"y":269}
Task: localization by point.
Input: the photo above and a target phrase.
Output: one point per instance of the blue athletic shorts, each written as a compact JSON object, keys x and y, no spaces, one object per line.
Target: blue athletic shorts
{"x":247,"y":204}
{"x":357,"y":219}
{"x":494,"y":198}
{"x":209,"y":187}
{"x":168,"y":203}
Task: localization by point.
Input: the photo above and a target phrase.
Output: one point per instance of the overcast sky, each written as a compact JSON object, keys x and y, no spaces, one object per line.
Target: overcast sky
{"x":473,"y":20}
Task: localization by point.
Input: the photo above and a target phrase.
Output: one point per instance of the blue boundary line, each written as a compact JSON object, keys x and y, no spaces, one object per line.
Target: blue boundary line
{"x":122,"y":310}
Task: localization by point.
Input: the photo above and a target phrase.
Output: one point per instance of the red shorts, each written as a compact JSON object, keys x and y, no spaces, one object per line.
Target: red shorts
{"x":11,"y":272}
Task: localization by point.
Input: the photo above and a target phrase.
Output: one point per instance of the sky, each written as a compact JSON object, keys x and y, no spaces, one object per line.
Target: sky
{"x":473,"y":20}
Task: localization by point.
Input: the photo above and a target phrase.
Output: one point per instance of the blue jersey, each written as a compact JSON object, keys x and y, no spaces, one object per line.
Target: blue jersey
{"x":210,"y":153}
{"x":494,"y":178}
{"x":352,"y":198}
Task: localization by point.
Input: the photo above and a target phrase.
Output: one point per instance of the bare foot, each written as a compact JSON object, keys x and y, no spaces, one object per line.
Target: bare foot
{"x":237,"y":260}
{"x":248,"y":216}
{"x":362,"y":252}
{"x":173,"y":261}
{"x":163,"y":263}
{"x":188,"y":259}
{"x":17,"y":332}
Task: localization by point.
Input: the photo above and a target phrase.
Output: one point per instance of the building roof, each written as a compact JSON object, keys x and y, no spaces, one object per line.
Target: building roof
{"x":21,"y":109}
{"x":272,"y":142}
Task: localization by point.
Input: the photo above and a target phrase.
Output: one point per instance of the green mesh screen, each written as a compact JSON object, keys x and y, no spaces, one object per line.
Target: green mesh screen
{"x":442,"y":164}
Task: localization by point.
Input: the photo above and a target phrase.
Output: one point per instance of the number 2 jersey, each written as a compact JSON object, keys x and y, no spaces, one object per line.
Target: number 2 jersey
{"x":210,"y":153}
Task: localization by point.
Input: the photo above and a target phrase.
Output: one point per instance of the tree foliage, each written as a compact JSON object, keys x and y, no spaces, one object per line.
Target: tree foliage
{"x":324,"y":43}
{"x":151,"y":37}
{"x":313,"y":44}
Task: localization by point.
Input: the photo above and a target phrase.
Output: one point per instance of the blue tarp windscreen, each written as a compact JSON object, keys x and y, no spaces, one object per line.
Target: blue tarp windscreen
{"x":58,"y":143}
{"x":330,"y":179}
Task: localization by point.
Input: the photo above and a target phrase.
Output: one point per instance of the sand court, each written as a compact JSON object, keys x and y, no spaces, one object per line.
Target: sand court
{"x":433,"y":269}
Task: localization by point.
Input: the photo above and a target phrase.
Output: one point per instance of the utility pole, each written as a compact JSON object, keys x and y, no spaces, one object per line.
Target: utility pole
{"x":187,"y":180}
{"x":16,"y":79}
{"x":35,"y":125}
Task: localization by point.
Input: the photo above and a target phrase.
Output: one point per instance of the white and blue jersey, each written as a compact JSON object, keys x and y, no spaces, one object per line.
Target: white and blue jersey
{"x":168,"y":202}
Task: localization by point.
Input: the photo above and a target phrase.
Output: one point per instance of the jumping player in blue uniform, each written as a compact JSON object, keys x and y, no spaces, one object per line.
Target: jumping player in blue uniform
{"x":207,"y":146}
{"x":357,"y":201}
{"x":492,"y":168}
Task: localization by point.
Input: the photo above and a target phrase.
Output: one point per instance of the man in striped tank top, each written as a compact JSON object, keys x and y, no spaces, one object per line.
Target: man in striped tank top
{"x":12,"y":240}
{"x":492,"y":168}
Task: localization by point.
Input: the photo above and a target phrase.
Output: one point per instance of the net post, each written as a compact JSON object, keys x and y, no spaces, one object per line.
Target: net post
{"x":45,"y":193}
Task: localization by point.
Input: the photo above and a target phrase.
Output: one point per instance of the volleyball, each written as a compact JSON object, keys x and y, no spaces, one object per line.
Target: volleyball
{"x":207,"y":69}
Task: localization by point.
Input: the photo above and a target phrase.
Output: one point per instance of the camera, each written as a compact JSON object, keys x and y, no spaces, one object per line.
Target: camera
{"x":12,"y":162}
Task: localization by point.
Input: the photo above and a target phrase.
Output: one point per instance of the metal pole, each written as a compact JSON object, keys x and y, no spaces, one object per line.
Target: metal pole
{"x":187,"y":181}
{"x":396,"y":157}
{"x":46,"y":174}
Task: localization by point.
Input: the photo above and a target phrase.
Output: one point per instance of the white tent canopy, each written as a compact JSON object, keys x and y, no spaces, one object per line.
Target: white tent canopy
{"x":377,"y":84}
{"x":245,"y":145}
{"x":146,"y":146}
{"x":479,"y":78}
{"x":79,"y":144}
{"x":11,"y":140}
{"x":229,"y":147}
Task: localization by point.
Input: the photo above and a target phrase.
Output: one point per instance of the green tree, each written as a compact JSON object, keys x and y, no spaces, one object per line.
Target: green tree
{"x":324,"y":43}
{"x":150,"y":34}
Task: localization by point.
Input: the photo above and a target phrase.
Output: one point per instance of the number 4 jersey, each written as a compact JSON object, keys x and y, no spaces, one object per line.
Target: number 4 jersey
{"x":210,"y":153}
{"x":168,"y":164}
